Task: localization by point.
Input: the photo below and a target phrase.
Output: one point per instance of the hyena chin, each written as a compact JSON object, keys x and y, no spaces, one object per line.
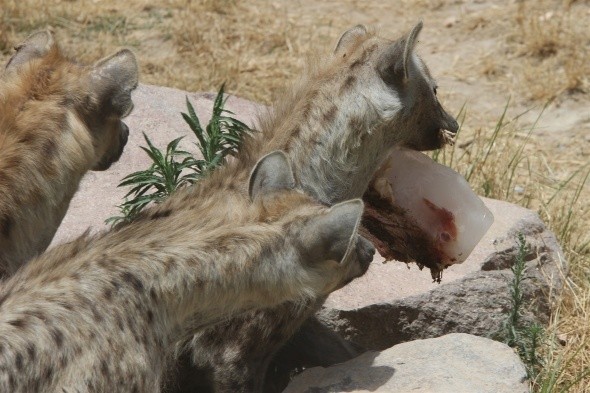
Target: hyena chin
{"x":337,"y":124}
{"x":102,"y":313}
{"x":58,"y":119}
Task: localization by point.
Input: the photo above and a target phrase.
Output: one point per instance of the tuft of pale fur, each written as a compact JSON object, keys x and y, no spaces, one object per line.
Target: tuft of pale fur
{"x":47,"y":107}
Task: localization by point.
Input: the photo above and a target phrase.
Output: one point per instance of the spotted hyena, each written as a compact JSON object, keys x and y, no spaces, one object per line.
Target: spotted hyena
{"x":102,"y":313}
{"x":58,"y":119}
{"x":337,"y":124}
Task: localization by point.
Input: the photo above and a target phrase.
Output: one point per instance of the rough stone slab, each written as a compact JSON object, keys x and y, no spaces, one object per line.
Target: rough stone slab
{"x":457,"y":363}
{"x":394,"y":303}
{"x":157,"y":114}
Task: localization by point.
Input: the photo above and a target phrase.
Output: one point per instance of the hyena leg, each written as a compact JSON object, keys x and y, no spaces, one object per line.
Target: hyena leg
{"x":185,"y":377}
{"x":238,"y":353}
{"x":313,"y":345}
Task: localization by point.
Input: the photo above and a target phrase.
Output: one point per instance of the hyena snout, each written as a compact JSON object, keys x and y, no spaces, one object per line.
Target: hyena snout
{"x":448,"y":122}
{"x":363,"y":256}
{"x":115,"y":150}
{"x":365,"y":253}
{"x":433,"y":130}
{"x":442,"y":130}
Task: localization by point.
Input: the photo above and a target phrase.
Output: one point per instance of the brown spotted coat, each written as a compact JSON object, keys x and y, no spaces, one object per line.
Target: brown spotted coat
{"x":58,"y":119}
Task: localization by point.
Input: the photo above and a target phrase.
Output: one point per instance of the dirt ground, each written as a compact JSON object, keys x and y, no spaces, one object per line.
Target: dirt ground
{"x":531,"y":58}
{"x":482,"y":52}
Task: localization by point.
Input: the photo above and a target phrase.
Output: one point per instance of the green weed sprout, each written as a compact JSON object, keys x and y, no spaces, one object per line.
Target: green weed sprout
{"x":178,"y":168}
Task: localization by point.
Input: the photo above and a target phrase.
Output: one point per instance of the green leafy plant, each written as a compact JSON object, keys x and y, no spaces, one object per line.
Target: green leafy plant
{"x":512,"y":325}
{"x":177,"y":168}
{"x":222,"y":136}
{"x":524,"y":336}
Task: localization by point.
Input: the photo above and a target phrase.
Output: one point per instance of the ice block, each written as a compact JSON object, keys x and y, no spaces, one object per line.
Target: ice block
{"x":418,"y":209}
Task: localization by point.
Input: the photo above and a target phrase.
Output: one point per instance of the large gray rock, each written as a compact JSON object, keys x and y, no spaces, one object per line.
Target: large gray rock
{"x":157,"y":114}
{"x":457,"y":363}
{"x":393,"y":303}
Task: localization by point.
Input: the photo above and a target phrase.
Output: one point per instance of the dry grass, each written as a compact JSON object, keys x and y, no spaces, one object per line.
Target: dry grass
{"x":191,"y":45}
{"x":552,"y":41}
{"x":532,"y":51}
{"x":502,"y":163}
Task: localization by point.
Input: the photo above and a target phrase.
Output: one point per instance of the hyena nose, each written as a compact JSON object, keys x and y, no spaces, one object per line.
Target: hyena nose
{"x":124,"y":136}
{"x":366,"y":252}
{"x":449,"y":123}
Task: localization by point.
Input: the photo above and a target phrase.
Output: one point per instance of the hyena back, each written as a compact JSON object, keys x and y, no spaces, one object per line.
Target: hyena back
{"x":102,"y":314}
{"x":58,"y":119}
{"x":336,"y":125}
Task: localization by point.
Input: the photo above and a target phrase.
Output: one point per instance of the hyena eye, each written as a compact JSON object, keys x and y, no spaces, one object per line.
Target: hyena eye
{"x":434,"y":89}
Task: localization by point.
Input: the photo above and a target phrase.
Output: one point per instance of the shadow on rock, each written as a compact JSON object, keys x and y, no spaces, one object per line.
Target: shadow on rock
{"x":349,"y":379}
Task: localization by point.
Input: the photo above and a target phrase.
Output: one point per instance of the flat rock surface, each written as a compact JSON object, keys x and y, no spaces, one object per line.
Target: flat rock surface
{"x":457,"y":363}
{"x":388,"y":280}
{"x":507,"y":218}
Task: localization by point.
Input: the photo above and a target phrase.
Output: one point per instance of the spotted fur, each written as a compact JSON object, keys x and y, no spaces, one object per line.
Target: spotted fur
{"x":337,"y":124}
{"x":102,"y":313}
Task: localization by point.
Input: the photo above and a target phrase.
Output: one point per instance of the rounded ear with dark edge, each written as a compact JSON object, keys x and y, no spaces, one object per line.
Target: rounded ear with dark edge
{"x":411,"y":39}
{"x":348,"y":38}
{"x":393,"y":62}
{"x":332,"y":236}
{"x":35,"y":46}
{"x":271,"y":173}
{"x":114,"y":78}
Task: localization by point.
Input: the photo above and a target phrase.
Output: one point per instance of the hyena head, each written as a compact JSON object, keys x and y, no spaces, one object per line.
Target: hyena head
{"x":389,"y":80}
{"x":98,"y":96}
{"x":322,"y":247}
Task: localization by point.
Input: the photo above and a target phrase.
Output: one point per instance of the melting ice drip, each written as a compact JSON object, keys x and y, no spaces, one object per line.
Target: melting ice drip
{"x":440,"y":201}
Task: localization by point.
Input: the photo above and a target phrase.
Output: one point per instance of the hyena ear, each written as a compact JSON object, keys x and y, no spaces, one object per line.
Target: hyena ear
{"x":393,"y":65}
{"x":113,"y":79}
{"x":35,"y":46}
{"x":348,"y":38}
{"x":411,"y":39}
{"x":271,"y":173}
{"x":332,"y":236}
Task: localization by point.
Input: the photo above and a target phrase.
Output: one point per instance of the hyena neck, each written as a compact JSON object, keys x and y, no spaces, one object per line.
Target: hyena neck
{"x":202,"y":280}
{"x":40,"y":176}
{"x":333,"y":135}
